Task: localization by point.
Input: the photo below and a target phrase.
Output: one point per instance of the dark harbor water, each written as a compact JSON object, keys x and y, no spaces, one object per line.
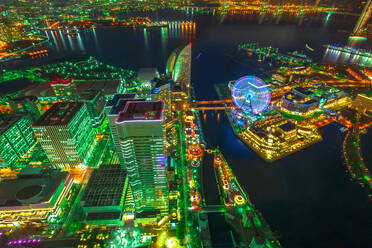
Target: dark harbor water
{"x":307,"y":197}
{"x":365,"y":146}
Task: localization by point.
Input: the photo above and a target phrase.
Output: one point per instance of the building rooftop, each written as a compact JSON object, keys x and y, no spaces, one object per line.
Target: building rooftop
{"x":6,"y":121}
{"x":108,"y":87}
{"x":303,"y":92}
{"x":288,"y":126}
{"x":40,"y":89}
{"x":141,"y":110}
{"x":105,"y":186}
{"x":176,"y":87}
{"x":148,"y":213}
{"x":90,"y":95}
{"x":59,"y":114}
{"x":147,"y":74}
{"x":25,"y":98}
{"x":30,"y":172}
{"x":110,"y":215}
{"x":61,"y":81}
{"x":26,"y":192}
{"x":118,"y":102}
{"x":160,"y":85}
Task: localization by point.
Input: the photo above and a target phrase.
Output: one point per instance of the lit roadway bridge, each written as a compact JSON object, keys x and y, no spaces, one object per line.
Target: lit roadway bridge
{"x":212,"y":105}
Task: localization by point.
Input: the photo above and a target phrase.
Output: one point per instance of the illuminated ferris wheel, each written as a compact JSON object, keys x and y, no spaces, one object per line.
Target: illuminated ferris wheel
{"x":251,"y":94}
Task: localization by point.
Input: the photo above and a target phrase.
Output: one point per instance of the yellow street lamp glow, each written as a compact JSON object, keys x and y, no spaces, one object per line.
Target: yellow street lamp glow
{"x":161,"y":239}
{"x":172,"y":243}
{"x":239,"y":200}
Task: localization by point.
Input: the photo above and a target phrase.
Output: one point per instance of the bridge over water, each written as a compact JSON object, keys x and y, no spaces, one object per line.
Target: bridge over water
{"x":213,"y":105}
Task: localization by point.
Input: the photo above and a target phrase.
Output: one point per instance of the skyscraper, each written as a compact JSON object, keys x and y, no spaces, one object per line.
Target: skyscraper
{"x":16,"y":138}
{"x":141,"y":140}
{"x":66,"y":134}
{"x":65,"y":90}
{"x":112,"y":109}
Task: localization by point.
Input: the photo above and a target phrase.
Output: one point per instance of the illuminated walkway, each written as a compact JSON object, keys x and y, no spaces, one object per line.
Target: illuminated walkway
{"x":354,"y":160}
{"x":363,"y":19}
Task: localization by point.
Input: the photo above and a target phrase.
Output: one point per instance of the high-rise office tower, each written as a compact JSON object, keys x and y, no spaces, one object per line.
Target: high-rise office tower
{"x":65,"y":90}
{"x":112,"y":109}
{"x":66,"y":134}
{"x":16,"y":138}
{"x":141,"y":140}
{"x":26,"y":105}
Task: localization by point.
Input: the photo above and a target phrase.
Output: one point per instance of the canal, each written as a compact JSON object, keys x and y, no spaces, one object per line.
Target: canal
{"x":210,"y":189}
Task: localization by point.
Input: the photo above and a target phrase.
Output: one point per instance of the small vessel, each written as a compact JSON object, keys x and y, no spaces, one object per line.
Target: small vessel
{"x":357,"y":37}
{"x":308,"y":47}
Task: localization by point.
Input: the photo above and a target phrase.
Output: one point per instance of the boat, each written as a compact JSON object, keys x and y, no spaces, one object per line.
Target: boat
{"x":357,"y":37}
{"x":308,"y":47}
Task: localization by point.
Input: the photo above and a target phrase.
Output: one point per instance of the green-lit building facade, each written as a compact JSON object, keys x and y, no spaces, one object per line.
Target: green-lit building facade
{"x":95,"y":101}
{"x":141,"y":140}
{"x":16,"y":139}
{"x":26,"y":105}
{"x":66,"y":134}
{"x":104,"y":197}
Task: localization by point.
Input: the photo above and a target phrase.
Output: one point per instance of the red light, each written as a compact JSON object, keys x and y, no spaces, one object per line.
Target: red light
{"x":190,"y":43}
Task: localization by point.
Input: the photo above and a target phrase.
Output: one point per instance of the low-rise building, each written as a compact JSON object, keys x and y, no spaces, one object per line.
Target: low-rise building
{"x":363,"y":103}
{"x":33,"y":197}
{"x":65,"y":90}
{"x":26,"y":105}
{"x":299,"y":100}
{"x":104,"y":197}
